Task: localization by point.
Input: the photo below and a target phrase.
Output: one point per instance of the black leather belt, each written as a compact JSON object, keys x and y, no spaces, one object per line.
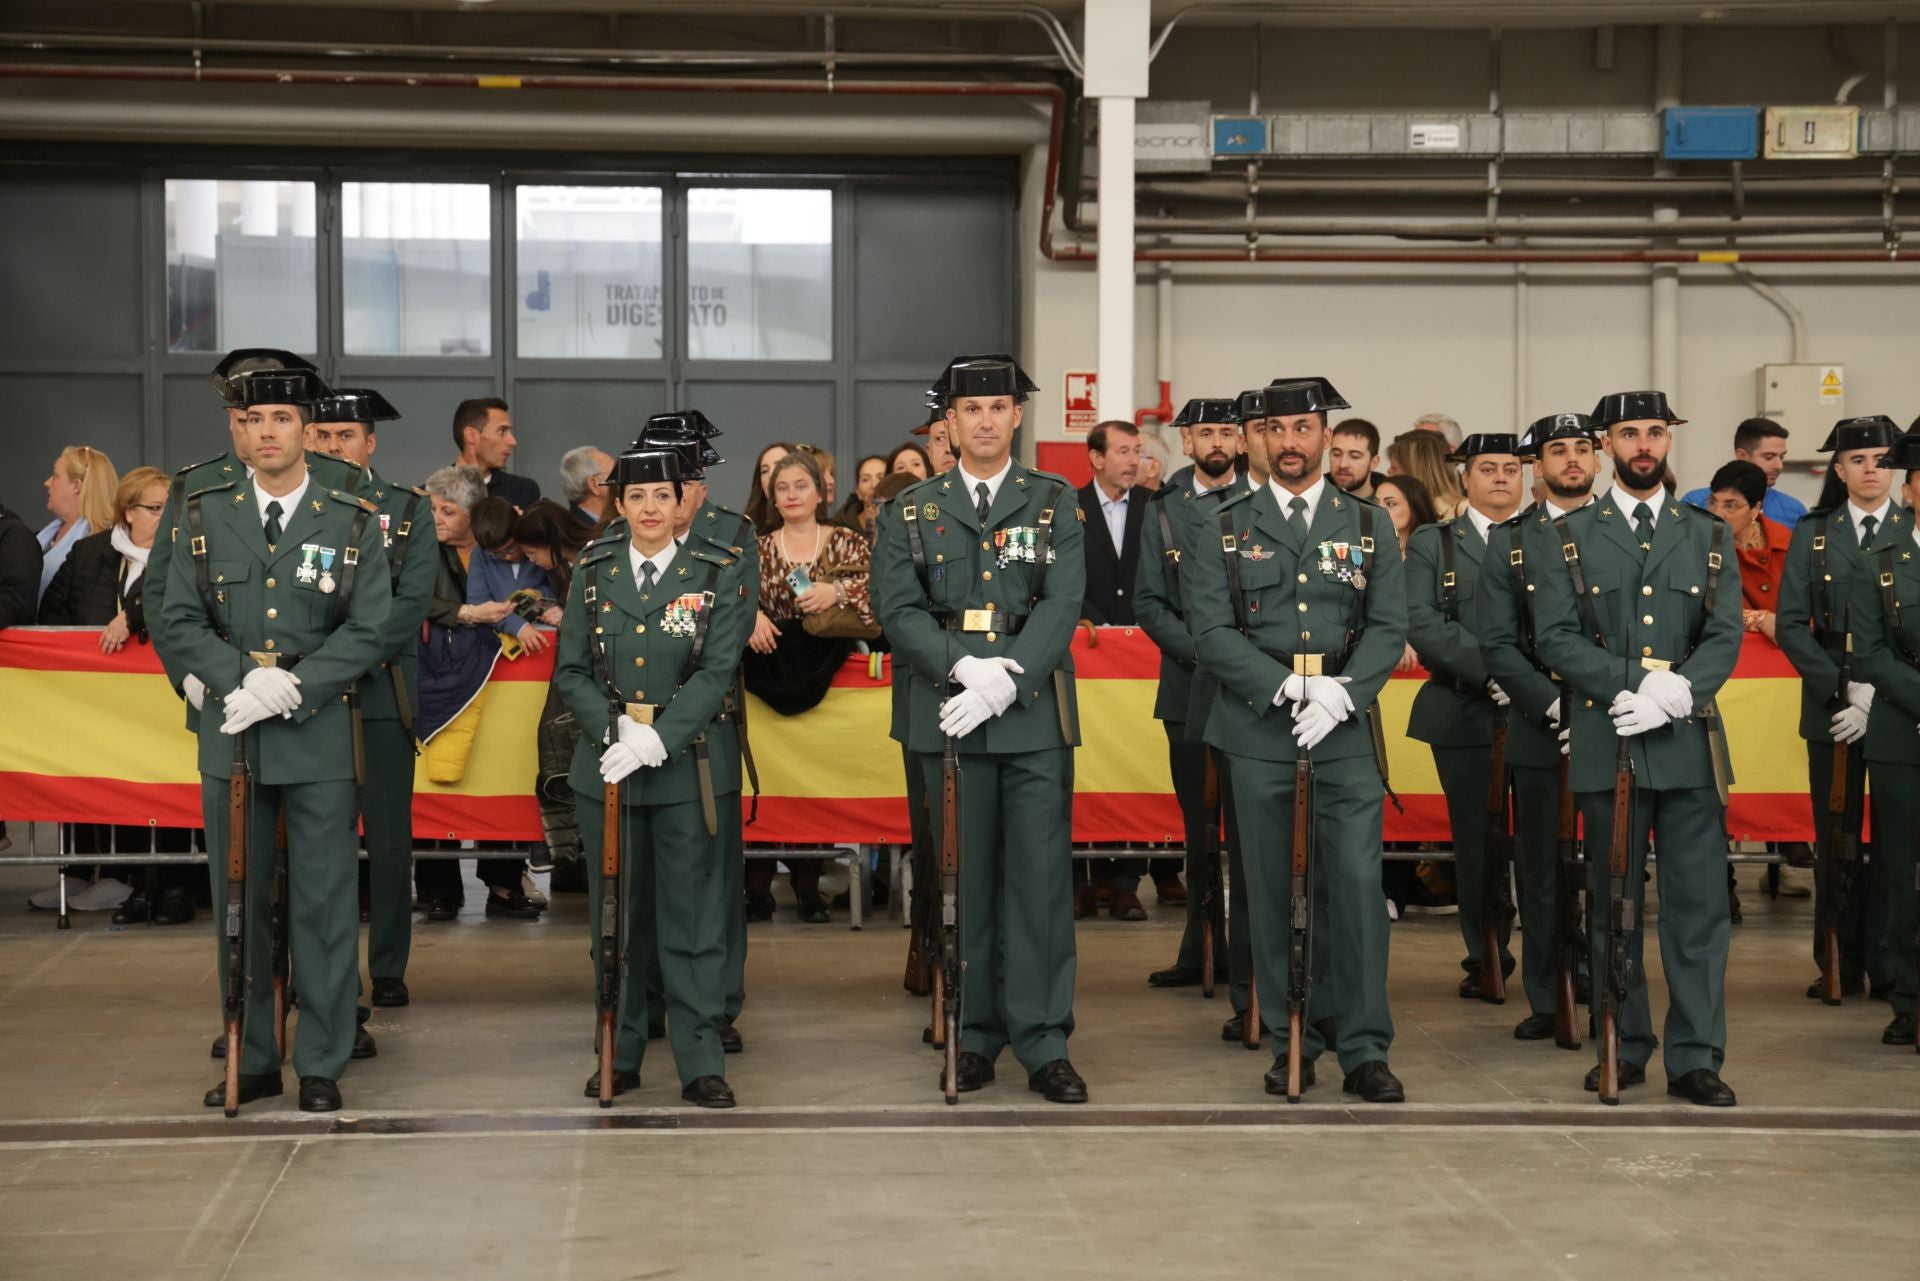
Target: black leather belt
{"x":984,"y":620}
{"x":1314,"y":664}
{"x":1447,"y":680}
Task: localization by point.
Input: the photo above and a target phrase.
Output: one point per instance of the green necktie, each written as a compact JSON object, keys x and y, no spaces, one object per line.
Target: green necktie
{"x":980,"y":490}
{"x":1297,"y":517}
{"x":1643,"y":525}
{"x":274,"y":528}
{"x":1866,"y":531}
{"x":647,"y":573}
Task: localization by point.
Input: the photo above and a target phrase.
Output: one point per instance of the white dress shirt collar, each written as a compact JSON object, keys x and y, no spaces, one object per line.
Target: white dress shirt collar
{"x":289,"y":502}
{"x":1554,"y":509}
{"x":659,"y":560}
{"x":1311,"y":494}
{"x":1855,"y":516}
{"x":971,"y":482}
{"x":1625,"y":503}
{"x":1481,"y":523}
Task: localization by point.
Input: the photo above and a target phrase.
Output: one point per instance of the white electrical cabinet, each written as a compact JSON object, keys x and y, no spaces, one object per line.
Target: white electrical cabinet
{"x":1805,"y":399}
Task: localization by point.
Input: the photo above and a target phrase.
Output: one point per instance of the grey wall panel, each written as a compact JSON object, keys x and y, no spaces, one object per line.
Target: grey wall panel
{"x":194,"y":421}
{"x":48,"y":412}
{"x":551,"y":416}
{"x":71,"y":273}
{"x":755,"y":414}
{"x":933,"y":277}
{"x":884,"y":414}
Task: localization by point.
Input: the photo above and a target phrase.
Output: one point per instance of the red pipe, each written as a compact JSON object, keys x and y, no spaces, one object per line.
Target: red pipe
{"x":1054,"y":95}
{"x":1162,"y":411}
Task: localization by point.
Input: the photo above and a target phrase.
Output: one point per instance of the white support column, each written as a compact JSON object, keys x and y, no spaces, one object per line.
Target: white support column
{"x":1117,"y":36}
{"x":1664,"y":327}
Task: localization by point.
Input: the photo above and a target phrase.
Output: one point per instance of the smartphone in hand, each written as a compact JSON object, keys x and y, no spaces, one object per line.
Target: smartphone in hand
{"x":798,"y":581}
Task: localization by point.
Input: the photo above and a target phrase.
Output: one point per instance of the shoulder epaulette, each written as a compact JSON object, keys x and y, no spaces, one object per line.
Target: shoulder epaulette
{"x":717,"y":556}
{"x":197,"y":466}
{"x":212,"y":489}
{"x":1037,"y":474}
{"x":1234,"y":500}
{"x":353,"y":500}
{"x":1816,"y":513}
{"x":1518,"y":518}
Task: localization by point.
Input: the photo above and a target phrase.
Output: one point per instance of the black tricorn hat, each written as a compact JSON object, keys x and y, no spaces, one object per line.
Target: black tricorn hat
{"x":1205,"y":411}
{"x":686,"y":433}
{"x":1554,"y":427}
{"x":935,"y":414}
{"x":277,"y":387}
{"x":247,"y":360}
{"x":354,"y":405}
{"x":1486,"y":442}
{"x":647,"y":467}
{"x":1332,"y":398}
{"x":980,"y":376}
{"x":1903,"y":454}
{"x":1285,"y":399}
{"x":1632,"y":406}
{"x":1875,"y":431}
{"x":1247,"y":405}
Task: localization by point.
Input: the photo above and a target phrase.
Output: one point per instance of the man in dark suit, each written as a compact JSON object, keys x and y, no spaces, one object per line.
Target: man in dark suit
{"x":483,"y":433}
{"x":1115,"y":515}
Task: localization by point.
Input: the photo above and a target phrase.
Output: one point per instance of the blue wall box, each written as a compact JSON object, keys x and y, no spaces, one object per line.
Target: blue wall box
{"x":1712,"y":133}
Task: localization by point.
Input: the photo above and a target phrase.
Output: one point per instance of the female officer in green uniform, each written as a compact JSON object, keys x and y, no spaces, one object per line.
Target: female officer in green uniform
{"x":637,"y":666}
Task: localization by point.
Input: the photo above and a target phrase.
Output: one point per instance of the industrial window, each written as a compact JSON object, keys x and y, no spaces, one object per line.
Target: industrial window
{"x":416,"y":268}
{"x":759,"y":273}
{"x":240,"y":265}
{"x":589,"y":271}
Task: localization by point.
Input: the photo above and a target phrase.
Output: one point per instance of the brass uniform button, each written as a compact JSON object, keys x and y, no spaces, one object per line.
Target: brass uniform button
{"x":992,"y":636}
{"x":1646,"y":591}
{"x":269,"y":644}
{"x":273,"y":613}
{"x":1646,"y":651}
{"x":639,"y":662}
{"x":639,"y":629}
{"x":1303,"y":607}
{"x":271,"y":583}
{"x":1303,"y":578}
{"x":986,"y":574}
{"x":1646,"y":620}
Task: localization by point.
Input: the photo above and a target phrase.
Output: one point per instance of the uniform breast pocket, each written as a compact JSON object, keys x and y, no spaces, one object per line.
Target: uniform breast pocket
{"x":228,"y":580}
{"x":1605,"y":595}
{"x":312,"y":605}
{"x":1264,"y":584}
{"x":1687,"y":590}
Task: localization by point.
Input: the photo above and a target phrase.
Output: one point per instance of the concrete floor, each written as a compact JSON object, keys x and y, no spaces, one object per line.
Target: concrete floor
{"x":467,"y":1151}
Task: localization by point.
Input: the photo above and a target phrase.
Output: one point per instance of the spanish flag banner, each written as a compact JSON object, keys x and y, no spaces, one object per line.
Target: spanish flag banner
{"x":101,"y":738}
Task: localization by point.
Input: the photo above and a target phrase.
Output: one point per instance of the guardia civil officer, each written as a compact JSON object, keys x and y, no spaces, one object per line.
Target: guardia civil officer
{"x":1178,"y":527}
{"x":978,"y":578}
{"x":1298,"y":609}
{"x":645,"y":666}
{"x":1832,"y":547}
{"x":277,"y":605}
{"x":1643,"y":624}
{"x":1560,"y":447}
{"x":388,"y":696}
{"x":1884,"y":619}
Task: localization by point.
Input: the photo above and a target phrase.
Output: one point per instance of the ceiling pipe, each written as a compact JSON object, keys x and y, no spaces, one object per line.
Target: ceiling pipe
{"x":1576,"y":228}
{"x":1234,"y":191}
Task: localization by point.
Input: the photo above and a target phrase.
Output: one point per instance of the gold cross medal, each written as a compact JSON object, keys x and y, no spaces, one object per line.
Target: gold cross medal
{"x":326,"y":569}
{"x":305,"y":571}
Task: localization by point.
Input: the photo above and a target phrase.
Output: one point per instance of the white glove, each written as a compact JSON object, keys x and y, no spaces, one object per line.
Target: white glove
{"x":1553,"y":716}
{"x":1860,"y":695}
{"x":1636,"y":713}
{"x":1499,"y":695}
{"x":1312,"y":722}
{"x":644,"y":740}
{"x":988,"y":676}
{"x":1325,"y":691}
{"x":617,"y":762}
{"x":244,"y":710}
{"x":1672,"y":691}
{"x":1849,"y":724}
{"x":278,"y":690}
{"x":964,"y":713}
{"x":195,"y":690}
{"x":1566,"y":736}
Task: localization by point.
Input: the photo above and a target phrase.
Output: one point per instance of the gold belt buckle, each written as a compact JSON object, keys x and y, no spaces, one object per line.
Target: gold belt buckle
{"x":977,"y":620}
{"x":642,"y":713}
{"x":1656,"y":664}
{"x":265,"y":658}
{"x":1308,"y":664}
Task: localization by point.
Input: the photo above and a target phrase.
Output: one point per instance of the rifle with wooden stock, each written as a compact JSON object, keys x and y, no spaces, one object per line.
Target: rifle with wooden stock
{"x":279,"y":962}
{"x":1496,"y":881}
{"x":239,"y":802}
{"x":1299,"y":921}
{"x":1841,"y":849}
{"x":613,"y":872}
{"x":1615,"y":985}
{"x":1569,"y":934}
{"x":1209,"y":867}
{"x":947,"y":978}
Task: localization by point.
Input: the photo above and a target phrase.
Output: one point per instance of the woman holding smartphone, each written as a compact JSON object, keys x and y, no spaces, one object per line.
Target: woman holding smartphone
{"x":807,"y":568}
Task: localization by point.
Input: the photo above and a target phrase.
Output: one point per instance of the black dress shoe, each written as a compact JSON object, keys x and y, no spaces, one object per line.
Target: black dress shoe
{"x":443,"y":909}
{"x":1057,"y":1082}
{"x":730,"y":1037}
{"x":173,"y":907}
{"x":656,"y":1031}
{"x":1375,"y":1084}
{"x":759,"y":906}
{"x":1470,"y":985}
{"x":363,"y":1046}
{"x":220,"y":1046}
{"x":263,"y":1085}
{"x":390,"y":992}
{"x":708,"y":1092}
{"x":319,"y":1094}
{"x":137,"y":910}
{"x":622,"y":1082}
{"x":1703,"y":1087}
{"x":1174,"y":976}
{"x":514,"y":905}
{"x":971,"y":1072}
{"x":1535,"y":1027}
{"x":1855,"y":986}
{"x":1900,"y":1031}
{"x":1235,"y":1028}
{"x":1276,"y":1080}
{"x":812,"y":908}
{"x":1630,"y":1074}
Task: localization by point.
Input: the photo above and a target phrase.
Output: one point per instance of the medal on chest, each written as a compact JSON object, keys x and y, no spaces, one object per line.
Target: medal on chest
{"x":326,"y":570}
{"x":305,"y":571}
{"x":386,"y":526}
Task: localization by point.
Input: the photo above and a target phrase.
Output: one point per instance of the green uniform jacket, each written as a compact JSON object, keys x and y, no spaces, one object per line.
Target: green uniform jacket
{"x":970,"y":567}
{"x":411,"y":540}
{"x":1157,"y":602}
{"x":1644,"y":610}
{"x":731,"y":535}
{"x":1505,"y":623}
{"x":647,"y":647}
{"x":264,"y":605}
{"x":1878,"y":655}
{"x":1444,"y":716}
{"x":1812,"y":625}
{"x":1292,"y":607}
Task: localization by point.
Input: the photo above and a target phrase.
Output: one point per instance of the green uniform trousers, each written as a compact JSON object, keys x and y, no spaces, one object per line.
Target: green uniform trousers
{"x":1349,"y":917}
{"x":730,"y":850}
{"x":1463,"y":777}
{"x":323,"y":918}
{"x":673,"y":901}
{"x":1536,"y":818}
{"x":1016,"y":901}
{"x":922,"y":914}
{"x":386,"y":812}
{"x":1896,"y":816}
{"x":1863,"y":923}
{"x":1695,"y":930}
{"x":1206,"y":893}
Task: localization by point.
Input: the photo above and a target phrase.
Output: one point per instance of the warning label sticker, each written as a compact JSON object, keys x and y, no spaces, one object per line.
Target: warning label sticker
{"x":1831,"y":387}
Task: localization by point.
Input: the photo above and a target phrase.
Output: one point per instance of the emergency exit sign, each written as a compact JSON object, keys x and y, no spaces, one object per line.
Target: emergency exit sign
{"x":1082,"y":408}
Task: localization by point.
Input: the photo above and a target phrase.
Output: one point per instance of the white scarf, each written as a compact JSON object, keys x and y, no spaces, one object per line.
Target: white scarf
{"x":136,"y":555}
